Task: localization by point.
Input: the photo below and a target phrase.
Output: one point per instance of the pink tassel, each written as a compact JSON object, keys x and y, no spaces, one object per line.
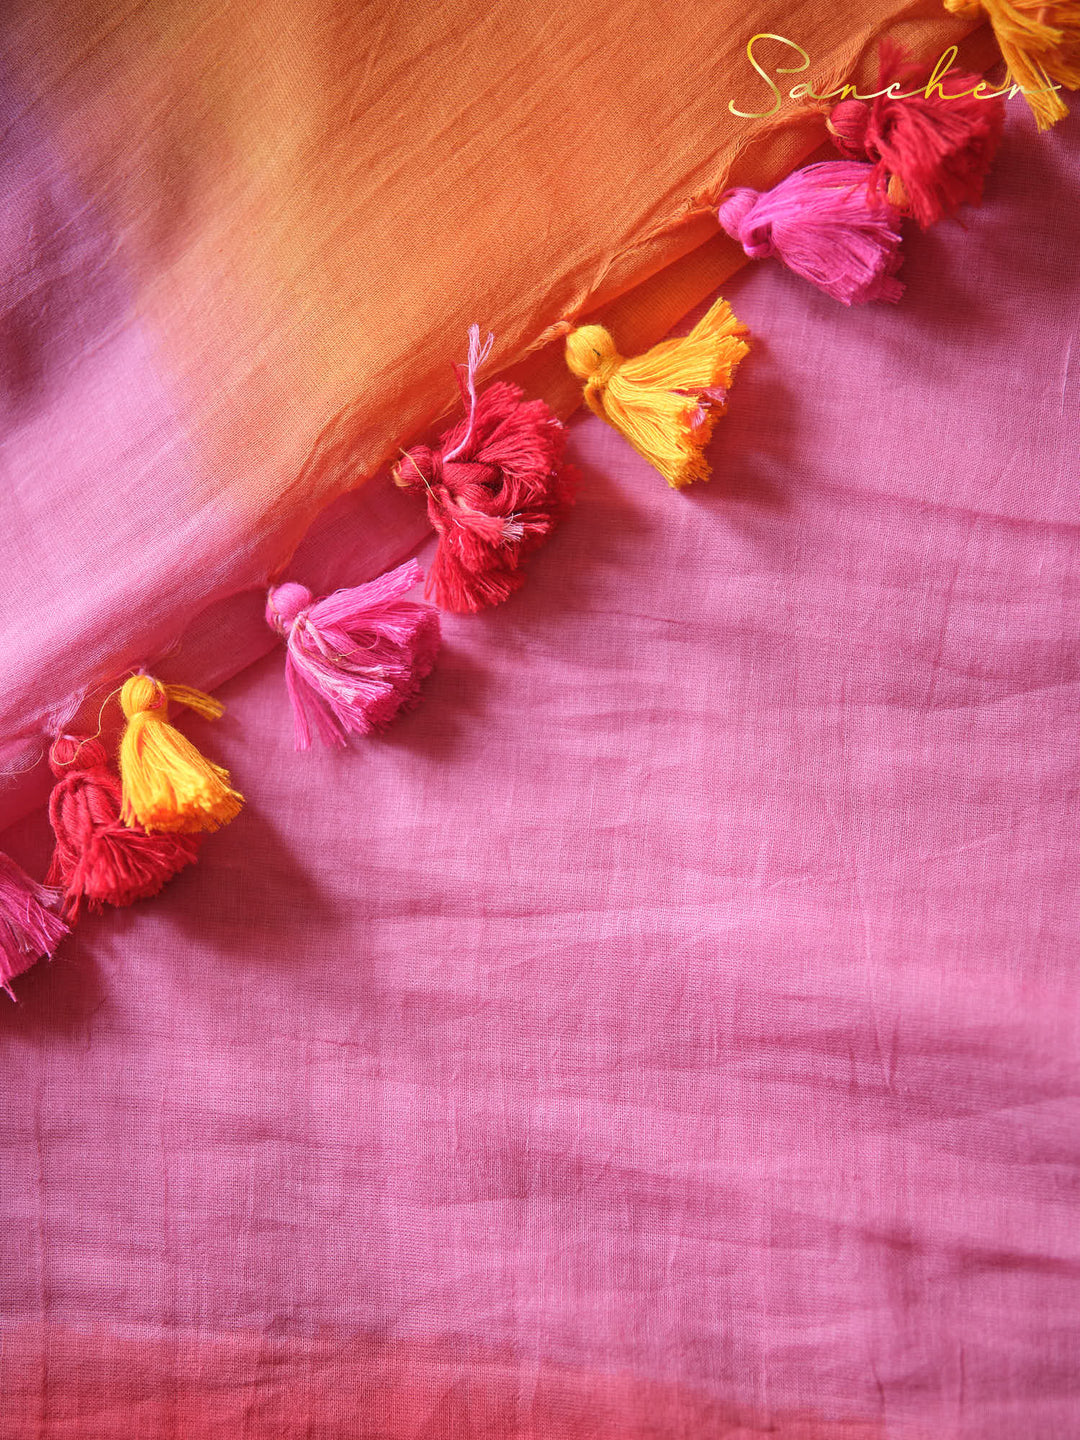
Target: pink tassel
{"x":824,"y":223}
{"x":929,"y":154}
{"x":495,"y":485}
{"x":29,"y":930}
{"x":356,"y":657}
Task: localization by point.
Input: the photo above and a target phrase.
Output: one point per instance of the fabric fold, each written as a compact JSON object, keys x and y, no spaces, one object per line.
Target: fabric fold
{"x":243,"y":247}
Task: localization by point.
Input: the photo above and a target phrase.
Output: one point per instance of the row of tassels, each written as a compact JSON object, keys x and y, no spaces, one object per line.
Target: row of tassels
{"x":495,"y":485}
{"x":835,"y":223}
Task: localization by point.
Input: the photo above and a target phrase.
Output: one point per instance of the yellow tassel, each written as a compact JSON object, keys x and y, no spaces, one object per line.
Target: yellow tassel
{"x":167,"y":784}
{"x":666,"y":401}
{"x":1039,"y":43}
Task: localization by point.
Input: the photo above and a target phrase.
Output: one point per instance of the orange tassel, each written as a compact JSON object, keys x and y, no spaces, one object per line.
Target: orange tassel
{"x":666,"y":401}
{"x":1040,"y":44}
{"x":167,"y":784}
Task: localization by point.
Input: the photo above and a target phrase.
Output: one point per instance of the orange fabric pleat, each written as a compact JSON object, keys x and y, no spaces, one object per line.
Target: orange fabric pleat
{"x":315,"y":199}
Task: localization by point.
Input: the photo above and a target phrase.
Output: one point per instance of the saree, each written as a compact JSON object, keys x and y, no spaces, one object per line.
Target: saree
{"x":666,"y":1030}
{"x":244,"y":245}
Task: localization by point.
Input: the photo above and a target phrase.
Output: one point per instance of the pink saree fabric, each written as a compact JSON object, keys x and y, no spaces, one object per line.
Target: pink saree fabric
{"x":242,"y":243}
{"x":669,"y":1029}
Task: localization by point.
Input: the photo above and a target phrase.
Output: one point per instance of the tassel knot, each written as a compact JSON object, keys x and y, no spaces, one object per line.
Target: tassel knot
{"x":473,"y":504}
{"x":461,"y":474}
{"x":847,"y":125}
{"x":286,"y":605}
{"x":592,"y":356}
{"x":166,"y":783}
{"x":734,"y":209}
{"x":69,"y":750}
{"x":496,"y":486}
{"x":459,"y":478}
{"x":825,"y":224}
{"x":142,"y":693}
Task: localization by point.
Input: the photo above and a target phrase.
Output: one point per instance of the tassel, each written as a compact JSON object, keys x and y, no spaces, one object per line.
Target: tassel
{"x":930,"y":155}
{"x":355,"y":658}
{"x":496,"y":486}
{"x":98,"y":858}
{"x":1039,"y":43}
{"x":666,"y":401}
{"x":166,"y":784}
{"x":823,"y":223}
{"x":29,"y":929}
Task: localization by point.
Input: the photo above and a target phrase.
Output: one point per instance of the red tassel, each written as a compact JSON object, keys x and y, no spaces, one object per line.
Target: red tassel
{"x":929,"y":155}
{"x":29,"y":928}
{"x":496,"y":486}
{"x":823,"y":223}
{"x":354,"y":658}
{"x":98,"y":858}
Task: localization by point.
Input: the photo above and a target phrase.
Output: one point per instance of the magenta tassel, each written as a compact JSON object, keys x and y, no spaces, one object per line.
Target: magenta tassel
{"x":496,"y":484}
{"x":825,"y":223}
{"x":356,"y":657}
{"x":930,"y":154}
{"x":28,"y":928}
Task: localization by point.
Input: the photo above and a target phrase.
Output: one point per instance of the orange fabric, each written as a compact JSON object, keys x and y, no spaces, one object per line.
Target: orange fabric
{"x":315,"y":198}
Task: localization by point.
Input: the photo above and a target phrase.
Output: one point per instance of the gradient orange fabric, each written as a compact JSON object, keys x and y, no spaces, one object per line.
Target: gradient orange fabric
{"x":318,"y":197}
{"x":290,"y":212}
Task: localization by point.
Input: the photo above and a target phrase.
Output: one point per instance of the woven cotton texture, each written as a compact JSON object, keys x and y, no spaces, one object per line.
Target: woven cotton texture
{"x":667,"y":1030}
{"x":243,"y":242}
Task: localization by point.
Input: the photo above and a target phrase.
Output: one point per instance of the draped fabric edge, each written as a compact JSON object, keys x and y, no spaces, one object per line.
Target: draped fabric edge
{"x":370,"y":526}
